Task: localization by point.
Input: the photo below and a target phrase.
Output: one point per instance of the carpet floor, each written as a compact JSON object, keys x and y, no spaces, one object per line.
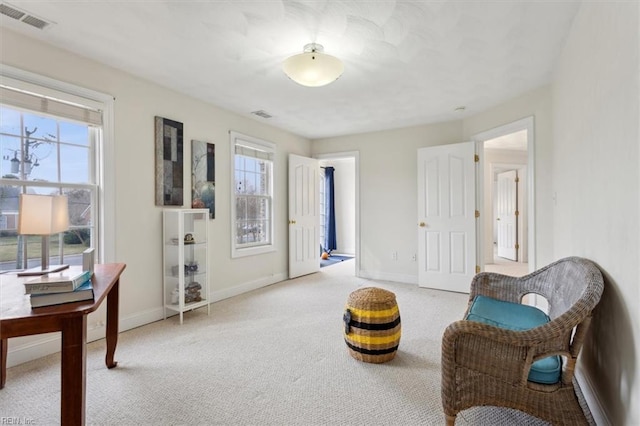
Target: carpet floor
{"x":273,"y":356}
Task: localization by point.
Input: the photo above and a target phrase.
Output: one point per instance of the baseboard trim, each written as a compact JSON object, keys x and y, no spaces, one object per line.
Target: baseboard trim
{"x":587,"y":387}
{"x":226,"y":293}
{"x":385,"y":276}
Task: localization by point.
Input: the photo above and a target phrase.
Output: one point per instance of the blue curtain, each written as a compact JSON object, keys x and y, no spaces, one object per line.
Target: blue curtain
{"x":330,"y":211}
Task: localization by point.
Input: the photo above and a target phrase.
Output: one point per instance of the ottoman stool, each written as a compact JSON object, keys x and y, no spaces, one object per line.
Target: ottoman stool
{"x":372,"y":325}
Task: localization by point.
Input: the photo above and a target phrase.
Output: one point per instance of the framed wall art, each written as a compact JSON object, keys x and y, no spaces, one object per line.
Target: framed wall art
{"x":169,"y":162}
{"x":203,"y":176}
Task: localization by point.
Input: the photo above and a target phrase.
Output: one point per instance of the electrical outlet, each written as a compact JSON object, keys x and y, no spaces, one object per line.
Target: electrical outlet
{"x":414,"y":257}
{"x":394,"y":255}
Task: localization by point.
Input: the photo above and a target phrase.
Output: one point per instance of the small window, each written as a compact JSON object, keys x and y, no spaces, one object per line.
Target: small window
{"x":252,"y":166}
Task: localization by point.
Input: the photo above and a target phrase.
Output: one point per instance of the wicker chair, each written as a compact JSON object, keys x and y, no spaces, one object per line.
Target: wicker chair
{"x":487,"y":365}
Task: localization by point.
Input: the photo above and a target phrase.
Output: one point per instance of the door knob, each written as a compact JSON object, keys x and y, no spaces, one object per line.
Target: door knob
{"x":292,"y":222}
{"x":422,"y":224}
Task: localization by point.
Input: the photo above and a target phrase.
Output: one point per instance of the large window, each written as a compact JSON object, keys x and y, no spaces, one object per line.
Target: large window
{"x":49,"y":144}
{"x":252,"y":195}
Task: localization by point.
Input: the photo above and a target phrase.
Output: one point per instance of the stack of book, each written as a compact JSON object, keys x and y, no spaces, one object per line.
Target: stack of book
{"x":60,"y":287}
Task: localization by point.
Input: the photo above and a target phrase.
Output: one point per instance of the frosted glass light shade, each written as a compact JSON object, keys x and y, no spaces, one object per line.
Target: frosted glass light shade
{"x":43,"y":214}
{"x":313,"y":68}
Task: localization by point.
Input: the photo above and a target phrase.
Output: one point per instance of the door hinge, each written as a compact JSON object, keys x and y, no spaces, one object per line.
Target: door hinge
{"x":477,"y":269}
{"x":477,"y":213}
{"x":517,"y":213}
{"x":476,"y":158}
{"x":517,"y":179}
{"x":517,"y":246}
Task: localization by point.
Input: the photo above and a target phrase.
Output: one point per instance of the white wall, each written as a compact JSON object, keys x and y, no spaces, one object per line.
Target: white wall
{"x":595,"y":181}
{"x":138,"y":219}
{"x":388,"y":194}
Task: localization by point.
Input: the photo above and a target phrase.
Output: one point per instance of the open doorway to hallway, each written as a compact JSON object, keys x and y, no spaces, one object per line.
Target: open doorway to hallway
{"x":505,"y":190}
{"x":343,"y":171}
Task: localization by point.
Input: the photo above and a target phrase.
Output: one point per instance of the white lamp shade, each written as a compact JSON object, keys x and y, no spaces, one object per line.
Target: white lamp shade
{"x":313,"y":69}
{"x":43,"y":214}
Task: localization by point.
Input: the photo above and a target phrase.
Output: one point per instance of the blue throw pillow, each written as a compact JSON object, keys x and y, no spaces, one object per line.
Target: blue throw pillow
{"x":518,"y":317}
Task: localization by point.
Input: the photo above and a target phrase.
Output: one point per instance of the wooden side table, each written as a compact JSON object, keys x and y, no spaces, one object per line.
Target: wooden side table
{"x":17,"y":318}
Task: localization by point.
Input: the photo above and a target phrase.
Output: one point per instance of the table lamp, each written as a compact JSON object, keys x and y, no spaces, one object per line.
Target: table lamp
{"x":43,"y":215}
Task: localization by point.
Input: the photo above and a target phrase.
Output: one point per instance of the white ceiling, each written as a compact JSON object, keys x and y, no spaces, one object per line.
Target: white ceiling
{"x":406,"y":62}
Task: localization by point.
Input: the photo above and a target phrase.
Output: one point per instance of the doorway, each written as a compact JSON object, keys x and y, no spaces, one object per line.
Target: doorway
{"x":506,"y":199}
{"x":346,"y":195}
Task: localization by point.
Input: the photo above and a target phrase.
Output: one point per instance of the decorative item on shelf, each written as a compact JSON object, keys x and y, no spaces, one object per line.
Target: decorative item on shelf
{"x":188,"y":239}
{"x":175,"y":296}
{"x":192,"y":292}
{"x":189,"y":269}
{"x":43,"y":215}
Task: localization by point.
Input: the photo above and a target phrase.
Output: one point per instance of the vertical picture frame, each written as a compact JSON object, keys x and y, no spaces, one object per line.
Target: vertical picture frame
{"x":203,"y":176}
{"x":169,"y":162}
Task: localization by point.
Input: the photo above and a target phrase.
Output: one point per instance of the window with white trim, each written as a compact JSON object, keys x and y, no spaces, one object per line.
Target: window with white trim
{"x":252,"y":164}
{"x":49,"y":144}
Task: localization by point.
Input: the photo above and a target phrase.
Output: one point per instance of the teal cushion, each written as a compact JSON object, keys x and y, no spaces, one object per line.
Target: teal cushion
{"x":518,"y":317}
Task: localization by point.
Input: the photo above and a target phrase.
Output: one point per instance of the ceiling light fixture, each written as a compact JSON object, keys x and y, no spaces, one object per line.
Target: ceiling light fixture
{"x":313,"y":68}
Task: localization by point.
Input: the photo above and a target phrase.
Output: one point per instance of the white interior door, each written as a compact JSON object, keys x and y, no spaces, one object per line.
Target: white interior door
{"x":304,"y":217}
{"x":506,"y":216}
{"x":446,"y":216}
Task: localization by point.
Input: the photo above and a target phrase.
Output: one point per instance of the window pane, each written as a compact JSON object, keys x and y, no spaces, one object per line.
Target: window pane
{"x":241,"y":208}
{"x":252,"y":179}
{"x":255,"y":165}
{"x":239,"y":233}
{"x":10,"y":146}
{"x":252,"y":209}
{"x":76,"y":240}
{"x":79,"y":206}
{"x":74,"y":133}
{"x":238,"y":180}
{"x":42,"y":127}
{"x":44,"y":163}
{"x":261,"y":184}
{"x":76,"y":164}
{"x":9,"y":121}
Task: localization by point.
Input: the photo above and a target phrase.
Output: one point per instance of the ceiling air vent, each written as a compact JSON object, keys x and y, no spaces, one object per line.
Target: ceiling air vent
{"x":22,"y":16}
{"x":262,"y":113}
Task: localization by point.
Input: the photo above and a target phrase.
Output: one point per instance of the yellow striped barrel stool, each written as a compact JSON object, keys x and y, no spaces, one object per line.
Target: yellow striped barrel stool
{"x":372,"y":325}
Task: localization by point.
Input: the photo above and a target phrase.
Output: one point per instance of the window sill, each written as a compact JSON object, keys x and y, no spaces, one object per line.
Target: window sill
{"x":251,"y":251}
